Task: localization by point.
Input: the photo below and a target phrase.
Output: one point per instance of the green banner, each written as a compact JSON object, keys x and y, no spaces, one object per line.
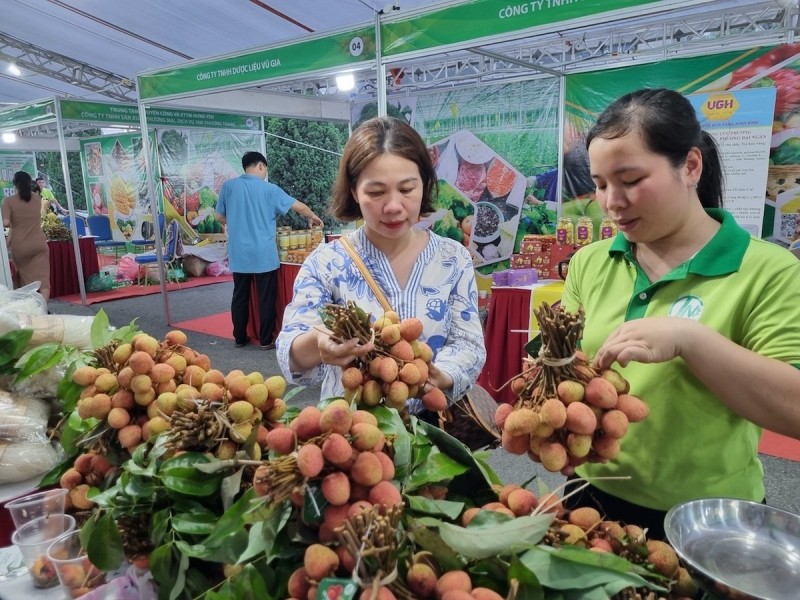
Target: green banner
{"x":10,"y":163}
{"x":478,"y":19}
{"x":128,"y":114}
{"x":270,"y":63}
{"x":34,"y":113}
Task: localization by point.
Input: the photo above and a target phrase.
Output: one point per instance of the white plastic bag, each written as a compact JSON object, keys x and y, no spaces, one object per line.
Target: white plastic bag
{"x":70,"y":330}
{"x":20,"y":461}
{"x":25,"y":300}
{"x":23,"y":419}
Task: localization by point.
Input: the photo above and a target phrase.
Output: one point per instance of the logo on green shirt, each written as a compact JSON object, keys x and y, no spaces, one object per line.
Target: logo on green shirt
{"x":689,"y":307}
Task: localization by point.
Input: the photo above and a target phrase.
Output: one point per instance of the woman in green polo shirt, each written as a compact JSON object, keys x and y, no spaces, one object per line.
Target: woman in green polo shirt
{"x":700,"y":317}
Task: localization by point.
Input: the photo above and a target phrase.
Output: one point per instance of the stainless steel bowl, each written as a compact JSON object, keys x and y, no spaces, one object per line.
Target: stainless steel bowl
{"x":737,"y":549}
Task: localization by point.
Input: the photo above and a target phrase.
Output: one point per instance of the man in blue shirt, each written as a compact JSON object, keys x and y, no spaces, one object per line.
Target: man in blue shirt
{"x":249,"y":205}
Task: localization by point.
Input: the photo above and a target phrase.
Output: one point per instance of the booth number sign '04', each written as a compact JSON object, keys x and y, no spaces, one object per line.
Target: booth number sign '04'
{"x":356,"y":46}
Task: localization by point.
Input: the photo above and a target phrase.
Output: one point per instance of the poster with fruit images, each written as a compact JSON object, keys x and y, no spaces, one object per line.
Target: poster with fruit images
{"x":194,"y":164}
{"x":10,"y":163}
{"x":490,"y":146}
{"x":777,"y":67}
{"x":115,"y":183}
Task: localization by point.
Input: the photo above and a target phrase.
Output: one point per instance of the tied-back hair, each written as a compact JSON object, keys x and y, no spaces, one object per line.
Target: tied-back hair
{"x":667,"y":124}
{"x":374,"y":138}
{"x":24,"y":184}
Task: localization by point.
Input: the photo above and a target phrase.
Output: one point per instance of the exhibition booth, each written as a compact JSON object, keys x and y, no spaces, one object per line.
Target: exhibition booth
{"x":243,"y":496}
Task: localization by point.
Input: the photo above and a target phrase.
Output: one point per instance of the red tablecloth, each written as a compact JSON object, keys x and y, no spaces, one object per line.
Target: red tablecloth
{"x":286,"y":274}
{"x":63,"y":270}
{"x":509,"y":312}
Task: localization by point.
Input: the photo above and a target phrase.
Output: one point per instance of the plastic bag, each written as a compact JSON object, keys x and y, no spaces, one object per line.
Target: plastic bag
{"x":26,"y":300}
{"x":70,"y":330}
{"x":100,"y":282}
{"x":20,"y":461}
{"x":23,"y":419}
{"x":219,"y":268}
{"x":127,"y":269}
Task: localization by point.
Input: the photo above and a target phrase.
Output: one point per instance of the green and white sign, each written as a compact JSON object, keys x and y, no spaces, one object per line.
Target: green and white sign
{"x":128,"y":114}
{"x":23,"y":115}
{"x":10,"y":163}
{"x":472,"y":21}
{"x":270,"y":63}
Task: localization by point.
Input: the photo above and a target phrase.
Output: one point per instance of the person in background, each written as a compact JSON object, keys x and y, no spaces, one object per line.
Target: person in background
{"x":701,"y":318}
{"x":387,"y":179}
{"x":49,"y":201}
{"x":248,"y":207}
{"x":26,"y":241}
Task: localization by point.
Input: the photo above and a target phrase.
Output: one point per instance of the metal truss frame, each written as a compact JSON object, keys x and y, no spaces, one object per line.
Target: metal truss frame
{"x":63,"y":68}
{"x":642,"y":40}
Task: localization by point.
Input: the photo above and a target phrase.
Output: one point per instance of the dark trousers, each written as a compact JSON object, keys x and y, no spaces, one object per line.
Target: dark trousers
{"x":267,"y":286}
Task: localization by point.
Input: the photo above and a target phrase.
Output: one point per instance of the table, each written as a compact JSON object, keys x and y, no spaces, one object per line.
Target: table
{"x":508,"y":330}
{"x":286,"y":275}
{"x":63,"y":270}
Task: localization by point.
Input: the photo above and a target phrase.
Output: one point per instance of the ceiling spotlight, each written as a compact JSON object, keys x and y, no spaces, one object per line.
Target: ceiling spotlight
{"x":14,"y":70}
{"x":345,"y":82}
{"x":9,"y":138}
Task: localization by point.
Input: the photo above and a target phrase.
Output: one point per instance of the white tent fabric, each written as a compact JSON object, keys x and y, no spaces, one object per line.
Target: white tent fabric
{"x":125,"y":37}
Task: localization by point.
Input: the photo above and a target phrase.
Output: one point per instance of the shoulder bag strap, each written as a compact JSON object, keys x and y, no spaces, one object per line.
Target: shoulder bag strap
{"x":367,"y":275}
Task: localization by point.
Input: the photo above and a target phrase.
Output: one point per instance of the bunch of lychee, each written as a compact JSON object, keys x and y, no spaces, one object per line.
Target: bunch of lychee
{"x":396,"y":370}
{"x":88,"y":470}
{"x":584,"y":421}
{"x":341,"y":451}
{"x":141,"y":385}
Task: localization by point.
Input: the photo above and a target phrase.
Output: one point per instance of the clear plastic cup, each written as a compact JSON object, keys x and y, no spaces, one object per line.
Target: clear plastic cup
{"x":33,"y":506}
{"x":78,"y":576}
{"x":34,"y":538}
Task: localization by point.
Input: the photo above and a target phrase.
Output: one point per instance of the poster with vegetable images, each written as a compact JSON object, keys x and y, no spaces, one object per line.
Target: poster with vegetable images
{"x":778,"y":67}
{"x":115,"y":183}
{"x":194,"y":164}
{"x":493,"y":149}
{"x":10,"y":163}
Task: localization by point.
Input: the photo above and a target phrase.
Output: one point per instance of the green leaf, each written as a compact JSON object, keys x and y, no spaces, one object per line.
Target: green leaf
{"x":233,"y":519}
{"x":125,"y":333}
{"x":68,"y":392}
{"x":100,"y":333}
{"x":390,"y":422}
{"x":230,"y":487}
{"x":180,"y":578}
{"x":13,"y":344}
{"x":104,"y":544}
{"x":559,"y":570}
{"x":179,"y":475}
{"x":39,"y":359}
{"x":264,"y":533}
{"x":189,"y":481}
{"x":493,"y":540}
{"x":162,"y":566}
{"x":53,"y":476}
{"x":427,"y":539}
{"x":159,"y":526}
{"x":250,"y":584}
{"x":437,"y":467}
{"x":137,"y":486}
{"x":445,"y":508}
{"x":226,"y":550}
{"x":529,"y":586}
{"x":195,"y":523}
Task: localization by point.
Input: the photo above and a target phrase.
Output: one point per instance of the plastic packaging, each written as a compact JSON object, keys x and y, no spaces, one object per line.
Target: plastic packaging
{"x":219,"y":268}
{"x":23,"y":419}
{"x":26,"y":300}
{"x":20,"y":461}
{"x":70,"y":330}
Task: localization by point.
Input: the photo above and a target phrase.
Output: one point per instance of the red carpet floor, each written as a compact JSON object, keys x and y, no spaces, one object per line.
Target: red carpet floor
{"x":219,"y":325}
{"x":130,"y":291}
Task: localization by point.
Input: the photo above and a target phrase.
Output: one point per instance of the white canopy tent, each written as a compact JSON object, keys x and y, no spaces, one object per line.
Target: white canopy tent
{"x":466,"y":43}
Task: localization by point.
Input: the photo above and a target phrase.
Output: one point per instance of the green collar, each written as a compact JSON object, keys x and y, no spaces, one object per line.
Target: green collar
{"x":722,"y":255}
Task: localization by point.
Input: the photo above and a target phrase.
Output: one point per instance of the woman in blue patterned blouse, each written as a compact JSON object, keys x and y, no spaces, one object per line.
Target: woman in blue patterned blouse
{"x":387,"y":179}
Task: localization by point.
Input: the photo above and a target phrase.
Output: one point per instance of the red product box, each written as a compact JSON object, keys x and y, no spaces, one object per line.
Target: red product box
{"x":521,"y":261}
